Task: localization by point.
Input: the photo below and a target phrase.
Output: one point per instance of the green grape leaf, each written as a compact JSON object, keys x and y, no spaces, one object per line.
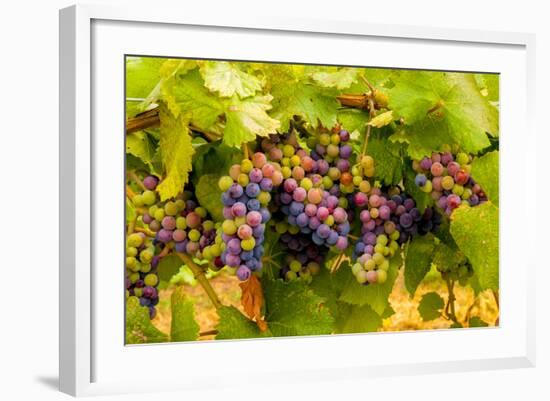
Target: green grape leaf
{"x":228,"y":79}
{"x":273,"y":254}
{"x":209,"y":195}
{"x":388,"y":165}
{"x":356,"y":319}
{"x":193,"y":97}
{"x":299,"y":98}
{"x":441,"y":108}
{"x":233,"y":324}
{"x":447,"y":256}
{"x":330,"y":285}
{"x":475,"y":321}
{"x":140,"y":145}
{"x":353,"y":120}
{"x":474,"y":283}
{"x":475,"y":230}
{"x":485,"y":171}
{"x":177,"y":152}
{"x":247,"y":118}
{"x":168,"y":267}
{"x":214,"y":158}
{"x":286,"y":305}
{"x":139,"y":329}
{"x":488,"y":85}
{"x":333,"y":77}
{"x":430,"y":306}
{"x":388,"y":312}
{"x":418,"y":260}
{"x":183,"y":326}
{"x":374,"y":295}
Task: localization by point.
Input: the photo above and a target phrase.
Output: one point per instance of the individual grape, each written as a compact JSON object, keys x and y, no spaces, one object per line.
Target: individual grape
{"x":150,"y":182}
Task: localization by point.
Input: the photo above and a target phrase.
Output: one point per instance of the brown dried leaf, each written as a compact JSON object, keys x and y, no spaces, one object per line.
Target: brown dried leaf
{"x":252,"y":299}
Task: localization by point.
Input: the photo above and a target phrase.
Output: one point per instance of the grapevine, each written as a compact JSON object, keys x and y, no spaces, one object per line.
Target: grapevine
{"x":265,"y":190}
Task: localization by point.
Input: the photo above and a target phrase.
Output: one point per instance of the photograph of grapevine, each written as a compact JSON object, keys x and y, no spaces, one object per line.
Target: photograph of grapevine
{"x":274,"y":200}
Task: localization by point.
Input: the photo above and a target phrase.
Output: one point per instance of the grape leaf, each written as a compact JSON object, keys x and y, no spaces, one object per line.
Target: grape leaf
{"x":299,"y":98}
{"x":228,"y":79}
{"x":209,"y":195}
{"x":418,"y":261}
{"x":193,"y":97}
{"x":330,"y":286}
{"x":475,"y":321}
{"x":292,"y":309}
{"x":376,"y":295}
{"x":333,"y":77}
{"x":441,"y":108}
{"x":353,"y":120}
{"x":139,"y":329}
{"x":247,"y":118}
{"x":447,"y":256}
{"x":388,"y":165}
{"x":356,"y":319}
{"x":169,"y":72}
{"x":177,"y":152}
{"x":141,"y":146}
{"x":475,"y":230}
{"x":485,"y":171}
{"x":233,"y":324}
{"x":382,"y":119}
{"x":168,"y":266}
{"x":183,"y":326}
{"x":214,"y":158}
{"x":252,"y":300}
{"x":488,"y":85}
{"x":142,"y":75}
{"x":430,"y":306}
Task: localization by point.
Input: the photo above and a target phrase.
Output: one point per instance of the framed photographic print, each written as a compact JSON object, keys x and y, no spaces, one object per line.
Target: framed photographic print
{"x":227,"y":189}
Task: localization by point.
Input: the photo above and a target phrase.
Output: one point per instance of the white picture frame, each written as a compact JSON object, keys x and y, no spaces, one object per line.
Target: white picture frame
{"x":92,"y":38}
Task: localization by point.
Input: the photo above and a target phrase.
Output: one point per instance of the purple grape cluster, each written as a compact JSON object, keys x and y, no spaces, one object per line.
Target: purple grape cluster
{"x":387,"y":221}
{"x":303,"y":257}
{"x":246,"y":196}
{"x":447,"y":178}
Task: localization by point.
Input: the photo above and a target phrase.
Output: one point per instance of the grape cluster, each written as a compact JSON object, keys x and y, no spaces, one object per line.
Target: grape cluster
{"x":447,"y":178}
{"x":387,"y":222}
{"x":181,"y":222}
{"x":246,"y":196}
{"x":303,"y":258}
{"x":460,"y":272}
{"x":141,"y":277}
{"x":310,"y":190}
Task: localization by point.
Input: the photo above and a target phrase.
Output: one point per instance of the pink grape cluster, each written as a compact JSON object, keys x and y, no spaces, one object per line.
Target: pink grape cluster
{"x":447,"y":178}
{"x":246,"y":196}
{"x":387,"y":221}
{"x":303,"y":196}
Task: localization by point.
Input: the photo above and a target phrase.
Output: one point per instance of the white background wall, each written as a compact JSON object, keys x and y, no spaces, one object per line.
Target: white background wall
{"x":29,"y":188}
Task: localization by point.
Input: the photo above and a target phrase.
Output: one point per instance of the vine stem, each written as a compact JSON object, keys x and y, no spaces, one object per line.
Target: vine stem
{"x":365,"y":144}
{"x":145,"y":231}
{"x":136,"y":179}
{"x":201,"y":278}
{"x":208,"y":333}
{"x":246,"y":152}
{"x":451,"y":301}
{"x":129,"y":192}
{"x":365,"y":80}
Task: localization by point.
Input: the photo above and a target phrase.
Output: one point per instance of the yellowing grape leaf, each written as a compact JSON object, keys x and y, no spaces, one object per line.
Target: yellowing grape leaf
{"x":193,"y":97}
{"x":177,"y":153}
{"x":247,"y":118}
{"x":334,"y":77}
{"x":228,"y":79}
{"x":475,"y":230}
{"x":252,"y":299}
{"x":168,"y":73}
{"x":234,"y":325}
{"x":382,"y":119}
